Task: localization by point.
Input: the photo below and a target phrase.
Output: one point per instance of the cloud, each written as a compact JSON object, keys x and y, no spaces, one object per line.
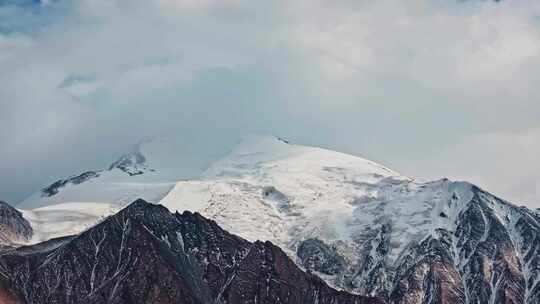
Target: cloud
{"x":503,"y":162}
{"x":394,"y":81}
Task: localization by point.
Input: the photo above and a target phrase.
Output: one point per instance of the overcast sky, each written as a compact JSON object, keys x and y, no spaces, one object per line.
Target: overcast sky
{"x":430,"y":88}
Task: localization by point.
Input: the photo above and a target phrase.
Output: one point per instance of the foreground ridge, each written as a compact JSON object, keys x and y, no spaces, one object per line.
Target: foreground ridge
{"x":145,"y":254}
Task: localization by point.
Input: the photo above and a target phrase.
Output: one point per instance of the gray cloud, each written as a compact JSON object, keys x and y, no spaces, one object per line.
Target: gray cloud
{"x":431,"y":88}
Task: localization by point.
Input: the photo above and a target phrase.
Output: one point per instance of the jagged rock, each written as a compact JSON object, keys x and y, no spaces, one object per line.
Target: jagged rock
{"x":145,"y":254}
{"x":74,"y":180}
{"x":316,"y":255}
{"x":427,"y":274}
{"x":371,"y":277}
{"x":490,"y":257}
{"x":132,"y":163}
{"x":14,"y":228}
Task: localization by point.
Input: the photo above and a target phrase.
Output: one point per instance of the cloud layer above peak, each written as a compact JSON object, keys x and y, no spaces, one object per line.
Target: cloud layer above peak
{"x":415,"y":85}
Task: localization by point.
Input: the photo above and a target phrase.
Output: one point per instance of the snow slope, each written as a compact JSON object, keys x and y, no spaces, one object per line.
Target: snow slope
{"x":272,"y":190}
{"x":393,"y":233}
{"x":264,"y":189}
{"x":152,"y":170}
{"x":66,"y":219}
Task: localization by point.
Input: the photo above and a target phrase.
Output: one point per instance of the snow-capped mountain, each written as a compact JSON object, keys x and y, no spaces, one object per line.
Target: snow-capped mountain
{"x":361,"y":226}
{"x":384,"y":234}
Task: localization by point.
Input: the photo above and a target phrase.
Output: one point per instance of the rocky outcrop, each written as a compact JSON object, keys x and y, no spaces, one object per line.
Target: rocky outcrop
{"x":478,"y":249}
{"x":55,"y":187}
{"x":133,"y":163}
{"x":14,"y":228}
{"x":427,"y":274}
{"x":317,"y":256}
{"x":145,"y":254}
{"x":489,"y":255}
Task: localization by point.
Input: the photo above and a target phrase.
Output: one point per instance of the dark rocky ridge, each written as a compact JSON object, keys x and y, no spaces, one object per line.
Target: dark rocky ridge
{"x":75,"y":180}
{"x":145,"y":254}
{"x":318,"y":256}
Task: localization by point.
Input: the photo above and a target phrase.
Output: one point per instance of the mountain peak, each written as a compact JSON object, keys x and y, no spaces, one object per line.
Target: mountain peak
{"x":364,"y":227}
{"x":256,"y":152}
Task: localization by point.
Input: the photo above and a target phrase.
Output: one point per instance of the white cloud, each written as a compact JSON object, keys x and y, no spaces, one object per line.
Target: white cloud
{"x":195,"y":4}
{"x":391,"y":80}
{"x":504,"y":163}
{"x":444,"y":47}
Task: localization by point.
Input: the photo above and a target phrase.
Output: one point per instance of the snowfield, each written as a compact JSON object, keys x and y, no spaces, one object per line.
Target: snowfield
{"x":265,"y":189}
{"x":66,"y":219}
{"x":269,"y":190}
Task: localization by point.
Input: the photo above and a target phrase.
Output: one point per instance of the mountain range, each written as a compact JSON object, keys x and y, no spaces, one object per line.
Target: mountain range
{"x":303,"y":223}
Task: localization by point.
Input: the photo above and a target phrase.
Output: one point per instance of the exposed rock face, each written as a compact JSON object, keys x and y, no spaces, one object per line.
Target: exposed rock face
{"x":132,"y":163}
{"x":371,"y":277}
{"x":75,"y":180}
{"x":484,"y":250}
{"x":14,"y":229}
{"x":145,"y":254}
{"x":316,"y":255}
{"x":427,"y":274}
{"x":490,"y":256}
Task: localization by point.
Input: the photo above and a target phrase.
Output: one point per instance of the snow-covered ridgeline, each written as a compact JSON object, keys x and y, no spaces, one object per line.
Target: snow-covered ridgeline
{"x":382,"y":227}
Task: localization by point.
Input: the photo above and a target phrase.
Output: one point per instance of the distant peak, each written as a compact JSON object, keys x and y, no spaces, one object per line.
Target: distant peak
{"x":134,"y":162}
